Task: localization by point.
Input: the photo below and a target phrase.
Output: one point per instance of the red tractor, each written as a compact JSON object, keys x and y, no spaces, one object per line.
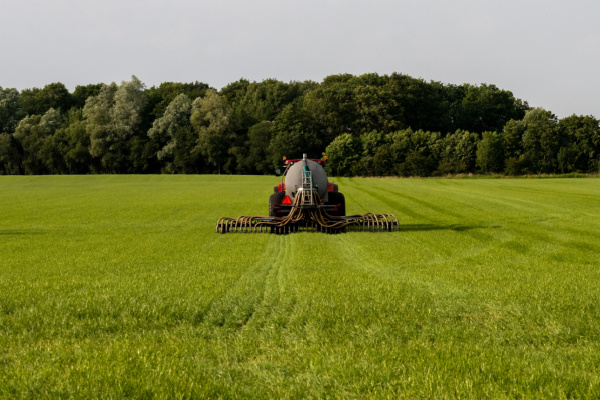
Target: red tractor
{"x":306,"y":200}
{"x":292,"y":183}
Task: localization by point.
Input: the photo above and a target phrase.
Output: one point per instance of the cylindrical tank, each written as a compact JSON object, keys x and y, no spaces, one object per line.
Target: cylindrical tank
{"x":293,"y":178}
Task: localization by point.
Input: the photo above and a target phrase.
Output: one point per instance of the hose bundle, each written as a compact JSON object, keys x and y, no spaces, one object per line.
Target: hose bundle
{"x":309,"y":218}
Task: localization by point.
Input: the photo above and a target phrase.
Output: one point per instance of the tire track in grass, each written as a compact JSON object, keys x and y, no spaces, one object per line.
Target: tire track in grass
{"x":236,"y":306}
{"x":277,"y":303}
{"x":278,"y":309}
{"x":360,"y":256}
{"x":448,"y":290}
{"x":127,"y":297}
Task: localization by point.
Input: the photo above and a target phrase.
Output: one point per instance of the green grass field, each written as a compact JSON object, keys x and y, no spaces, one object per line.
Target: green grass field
{"x":118,"y":286}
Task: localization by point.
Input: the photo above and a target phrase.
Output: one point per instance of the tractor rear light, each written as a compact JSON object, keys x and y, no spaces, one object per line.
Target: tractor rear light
{"x":287,"y":201}
{"x":281,"y":187}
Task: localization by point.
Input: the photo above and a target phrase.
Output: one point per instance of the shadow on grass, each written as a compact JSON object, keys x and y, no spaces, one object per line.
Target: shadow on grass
{"x":434,"y":227}
{"x":10,"y":232}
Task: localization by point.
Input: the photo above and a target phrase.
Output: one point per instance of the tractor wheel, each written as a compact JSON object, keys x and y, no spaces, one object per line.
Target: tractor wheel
{"x":336,"y":198}
{"x":275,"y":198}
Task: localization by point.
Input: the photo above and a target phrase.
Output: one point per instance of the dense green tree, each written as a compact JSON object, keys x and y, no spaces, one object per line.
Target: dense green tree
{"x":30,"y":139}
{"x":541,"y":140}
{"x":582,"y":133}
{"x":516,"y":162}
{"x":490,"y":152}
{"x":185,"y":159}
{"x":35,"y":135}
{"x":342,"y":152}
{"x":28,"y":102}
{"x":173,"y":134}
{"x":487,"y":108}
{"x":113,"y":118}
{"x":566,"y":159}
{"x":446,"y":151}
{"x":141,"y":157}
{"x":38,"y":101}
{"x":73,"y":143}
{"x":234,"y":91}
{"x":330,"y":109}
{"x":513,"y":138}
{"x":160,"y":97}
{"x":10,"y":160}
{"x":254,"y":102}
{"x":211,"y":117}
{"x":380,"y":124}
{"x":383,"y":164}
{"x":377,"y":105}
{"x":412,"y":152}
{"x":292,"y":145}
{"x":516,"y":165}
{"x":291,"y":137}
{"x":259,"y":139}
{"x":98,"y":119}
{"x":466,"y":149}
{"x":81,"y":94}
{"x":416,"y":163}
{"x":129,"y":103}
{"x":10,"y":113}
{"x":373,"y":146}
{"x":419,"y":104}
{"x":371,"y":141}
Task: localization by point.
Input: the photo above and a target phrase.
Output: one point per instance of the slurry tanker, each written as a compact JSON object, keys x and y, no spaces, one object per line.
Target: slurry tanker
{"x":306,"y":201}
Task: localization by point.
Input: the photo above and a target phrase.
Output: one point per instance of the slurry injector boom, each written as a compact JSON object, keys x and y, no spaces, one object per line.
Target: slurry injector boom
{"x":306,"y":201}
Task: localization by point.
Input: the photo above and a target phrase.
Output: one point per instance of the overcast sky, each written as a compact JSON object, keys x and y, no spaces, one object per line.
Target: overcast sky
{"x":546,"y":52}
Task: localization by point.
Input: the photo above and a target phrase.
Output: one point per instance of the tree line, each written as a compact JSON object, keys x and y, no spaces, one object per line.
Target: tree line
{"x":368,"y":125}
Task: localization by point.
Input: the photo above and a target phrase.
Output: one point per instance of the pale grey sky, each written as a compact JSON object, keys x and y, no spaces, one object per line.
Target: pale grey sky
{"x":545,"y":51}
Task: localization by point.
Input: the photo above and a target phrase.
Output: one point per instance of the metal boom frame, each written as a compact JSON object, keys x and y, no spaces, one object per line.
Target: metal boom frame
{"x":306,"y":214}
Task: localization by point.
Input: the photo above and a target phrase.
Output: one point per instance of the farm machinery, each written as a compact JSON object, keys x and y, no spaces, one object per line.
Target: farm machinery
{"x":306,"y":201}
